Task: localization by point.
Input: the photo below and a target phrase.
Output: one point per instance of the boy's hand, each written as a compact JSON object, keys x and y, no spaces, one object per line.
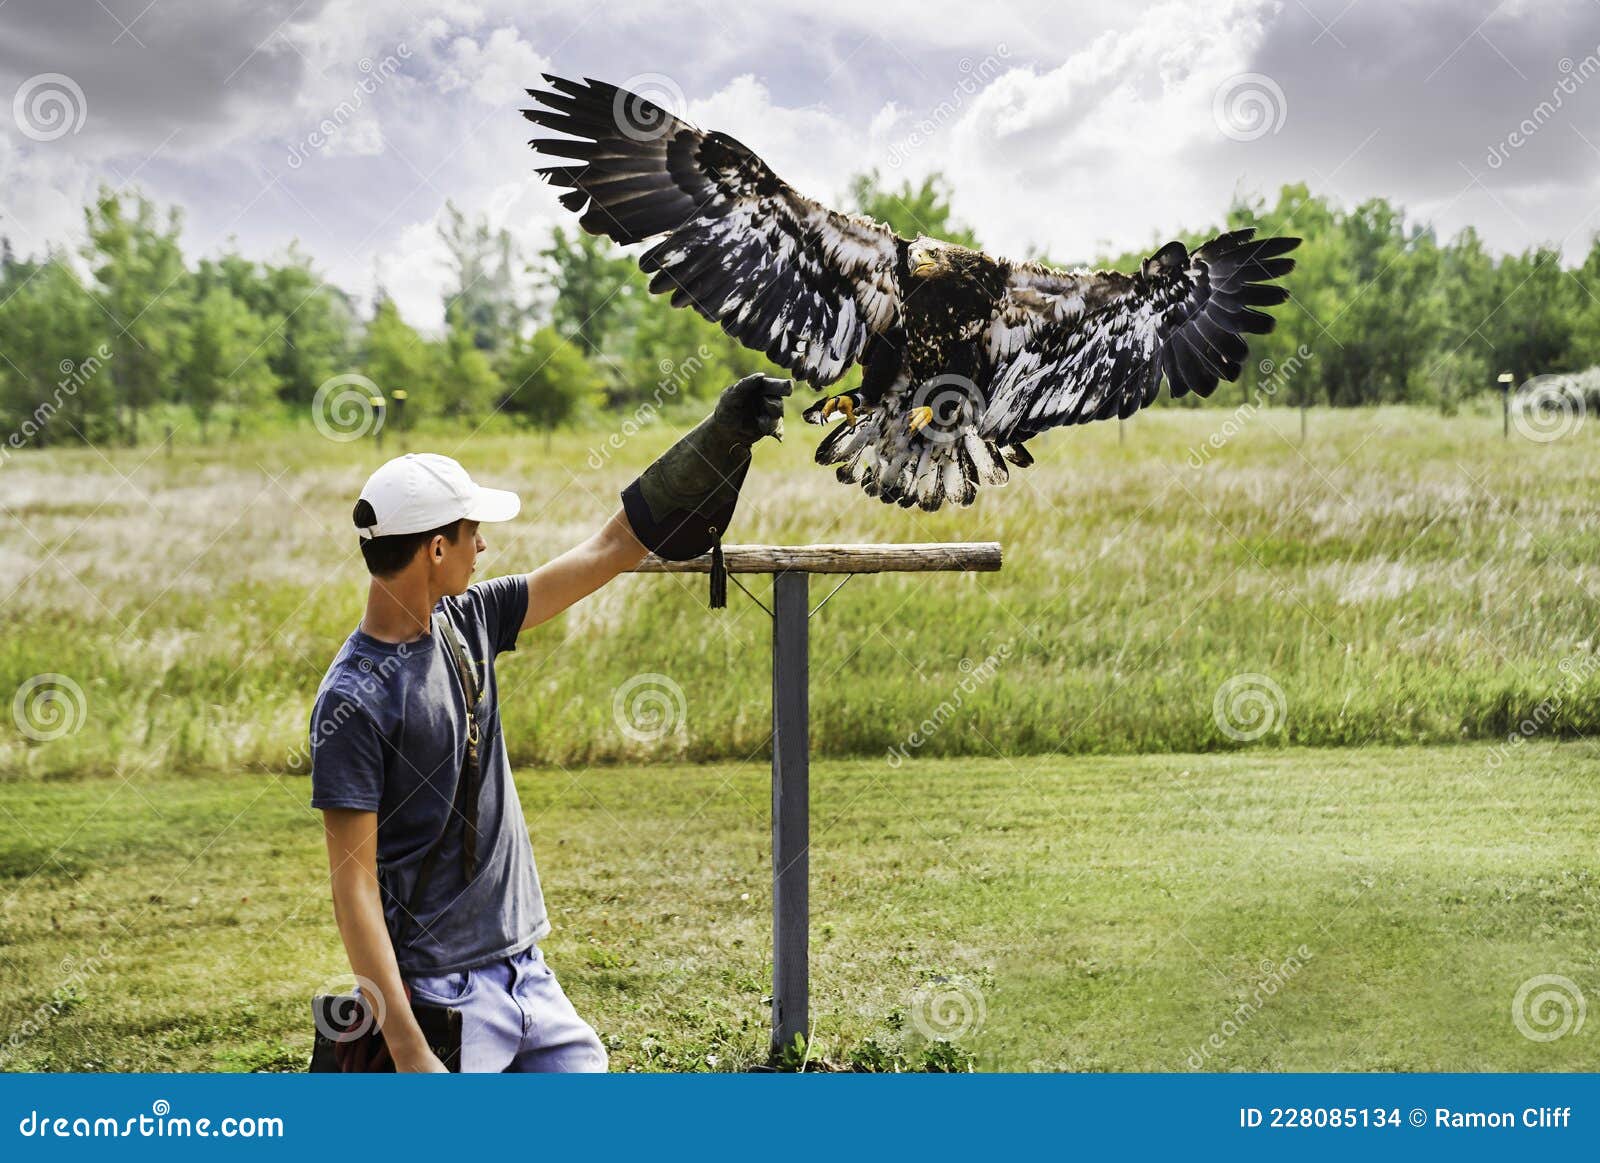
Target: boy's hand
{"x":416,"y":1058}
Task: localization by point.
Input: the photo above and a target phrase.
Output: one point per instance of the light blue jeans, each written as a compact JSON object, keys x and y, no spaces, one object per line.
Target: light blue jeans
{"x":514,"y":1017}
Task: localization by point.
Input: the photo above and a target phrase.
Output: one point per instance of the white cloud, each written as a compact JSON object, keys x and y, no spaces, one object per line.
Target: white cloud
{"x":812,"y":148}
{"x":361,"y":137}
{"x":415,"y":269}
{"x":1101,"y":151}
{"x":1096,"y":153}
{"x":495,"y":71}
{"x":412,"y":271}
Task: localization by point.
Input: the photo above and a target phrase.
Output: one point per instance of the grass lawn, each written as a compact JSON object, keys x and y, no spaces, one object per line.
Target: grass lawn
{"x":1273,"y":909}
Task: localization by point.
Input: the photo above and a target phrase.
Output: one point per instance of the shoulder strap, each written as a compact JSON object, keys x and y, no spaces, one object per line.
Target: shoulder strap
{"x":465,"y":671}
{"x":466,"y":797}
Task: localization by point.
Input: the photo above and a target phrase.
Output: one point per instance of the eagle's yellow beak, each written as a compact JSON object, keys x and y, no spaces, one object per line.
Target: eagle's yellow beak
{"x":922,"y":266}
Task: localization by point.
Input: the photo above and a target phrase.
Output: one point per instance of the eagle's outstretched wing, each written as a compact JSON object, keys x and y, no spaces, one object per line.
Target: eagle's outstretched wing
{"x":1070,"y":347}
{"x":782,"y":274}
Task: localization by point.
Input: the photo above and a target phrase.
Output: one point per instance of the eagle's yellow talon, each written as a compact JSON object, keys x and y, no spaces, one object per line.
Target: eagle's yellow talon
{"x":920,"y":417}
{"x":839,"y":404}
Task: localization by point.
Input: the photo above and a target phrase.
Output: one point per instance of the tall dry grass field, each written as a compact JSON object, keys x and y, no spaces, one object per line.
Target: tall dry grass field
{"x":1400,"y":578}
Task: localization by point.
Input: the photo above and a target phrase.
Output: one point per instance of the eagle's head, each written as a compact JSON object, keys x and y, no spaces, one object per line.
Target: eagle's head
{"x":933,"y":258}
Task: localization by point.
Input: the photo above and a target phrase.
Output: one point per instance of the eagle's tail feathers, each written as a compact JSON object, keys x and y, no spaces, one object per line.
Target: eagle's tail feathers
{"x":986,"y":460}
{"x":898,"y":477}
{"x":929,"y":481}
{"x":896,"y":456}
{"x":829,"y":448}
{"x":969,"y":474}
{"x":863,"y":464}
{"x":845,"y":443}
{"x":951,"y":483}
{"x":908,"y":470}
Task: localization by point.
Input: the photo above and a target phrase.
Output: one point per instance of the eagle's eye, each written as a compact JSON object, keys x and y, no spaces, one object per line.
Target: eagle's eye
{"x":923,"y":263}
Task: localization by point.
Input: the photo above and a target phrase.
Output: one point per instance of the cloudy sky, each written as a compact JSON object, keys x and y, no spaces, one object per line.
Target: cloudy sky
{"x":1075,"y":127}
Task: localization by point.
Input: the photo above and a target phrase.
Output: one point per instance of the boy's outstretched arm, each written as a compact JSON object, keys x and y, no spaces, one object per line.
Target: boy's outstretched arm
{"x":582,"y":569}
{"x":676,"y":507}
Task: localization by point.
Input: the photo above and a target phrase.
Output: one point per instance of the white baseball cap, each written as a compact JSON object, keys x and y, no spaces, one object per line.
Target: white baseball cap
{"x":423,"y":490}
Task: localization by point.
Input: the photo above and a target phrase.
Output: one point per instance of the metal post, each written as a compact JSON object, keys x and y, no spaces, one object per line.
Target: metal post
{"x":791,"y":807}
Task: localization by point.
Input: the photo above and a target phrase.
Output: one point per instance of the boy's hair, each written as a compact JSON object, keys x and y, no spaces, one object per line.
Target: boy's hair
{"x":386,"y":556}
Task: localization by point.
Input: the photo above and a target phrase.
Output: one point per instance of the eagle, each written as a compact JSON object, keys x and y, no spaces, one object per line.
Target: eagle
{"x":965,"y":357}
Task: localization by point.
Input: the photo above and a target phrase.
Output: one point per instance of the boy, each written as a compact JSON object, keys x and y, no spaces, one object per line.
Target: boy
{"x":435,"y":890}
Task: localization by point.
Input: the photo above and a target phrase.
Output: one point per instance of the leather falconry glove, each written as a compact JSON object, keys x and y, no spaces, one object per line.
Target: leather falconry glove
{"x":680,"y":506}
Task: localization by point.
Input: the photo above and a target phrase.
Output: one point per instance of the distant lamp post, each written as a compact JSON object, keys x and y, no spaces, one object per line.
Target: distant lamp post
{"x":399,"y":398}
{"x":377,"y":418}
{"x":1506,"y":379}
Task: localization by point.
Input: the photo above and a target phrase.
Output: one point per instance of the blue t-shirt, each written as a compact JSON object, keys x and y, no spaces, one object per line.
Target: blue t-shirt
{"x":388,"y":735}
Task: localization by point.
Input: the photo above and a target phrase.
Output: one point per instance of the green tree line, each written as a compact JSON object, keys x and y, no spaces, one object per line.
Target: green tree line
{"x":1383,"y":311}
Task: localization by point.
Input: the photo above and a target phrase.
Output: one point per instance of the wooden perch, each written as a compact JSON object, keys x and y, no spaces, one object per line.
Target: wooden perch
{"x":914,"y":557}
{"x":791,"y":567}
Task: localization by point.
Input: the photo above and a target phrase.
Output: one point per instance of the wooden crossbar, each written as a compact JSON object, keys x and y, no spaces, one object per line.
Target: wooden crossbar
{"x":910,"y":557}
